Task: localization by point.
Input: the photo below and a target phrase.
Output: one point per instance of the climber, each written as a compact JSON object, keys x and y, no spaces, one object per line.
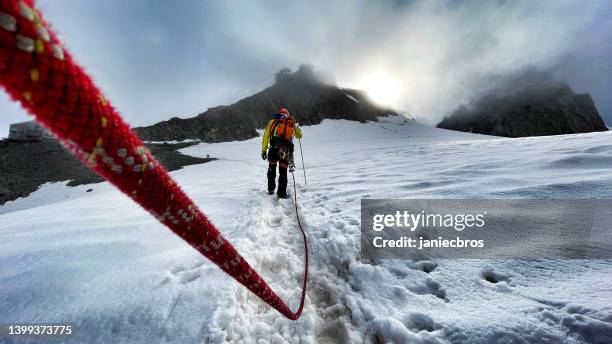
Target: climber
{"x":279,"y":133}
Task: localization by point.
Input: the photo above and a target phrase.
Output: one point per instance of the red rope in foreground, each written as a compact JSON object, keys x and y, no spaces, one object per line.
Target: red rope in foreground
{"x":38,"y":73}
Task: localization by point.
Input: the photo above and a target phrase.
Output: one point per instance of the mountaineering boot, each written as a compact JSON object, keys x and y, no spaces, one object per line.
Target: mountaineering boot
{"x":282,"y":182}
{"x":271,"y":178}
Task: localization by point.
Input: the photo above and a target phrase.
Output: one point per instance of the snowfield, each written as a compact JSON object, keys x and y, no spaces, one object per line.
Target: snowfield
{"x":95,"y":259}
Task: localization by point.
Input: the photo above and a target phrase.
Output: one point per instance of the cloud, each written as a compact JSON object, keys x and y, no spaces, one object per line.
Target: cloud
{"x":439,"y":52}
{"x":157,"y":59}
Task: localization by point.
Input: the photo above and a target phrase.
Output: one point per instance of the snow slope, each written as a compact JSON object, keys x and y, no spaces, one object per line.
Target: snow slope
{"x":97,"y":260}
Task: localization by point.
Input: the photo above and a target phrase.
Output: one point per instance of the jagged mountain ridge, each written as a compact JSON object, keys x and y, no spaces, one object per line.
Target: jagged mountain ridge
{"x":309,"y":96}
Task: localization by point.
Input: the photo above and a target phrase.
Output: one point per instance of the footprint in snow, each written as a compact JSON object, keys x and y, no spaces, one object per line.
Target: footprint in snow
{"x":274,"y":220}
{"x":188,"y":277}
{"x":288,"y":210}
{"x":493,"y":276}
{"x":177,"y":269}
{"x":426,"y":266}
{"x":420,"y":322}
{"x":431,"y":287}
{"x":183,"y":274}
{"x":435,"y":288}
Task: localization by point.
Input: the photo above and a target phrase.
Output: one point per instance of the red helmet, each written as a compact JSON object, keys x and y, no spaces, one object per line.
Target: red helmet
{"x":283,"y":111}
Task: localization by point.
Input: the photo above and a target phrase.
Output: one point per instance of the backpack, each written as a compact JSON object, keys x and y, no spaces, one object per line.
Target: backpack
{"x":283,"y":128}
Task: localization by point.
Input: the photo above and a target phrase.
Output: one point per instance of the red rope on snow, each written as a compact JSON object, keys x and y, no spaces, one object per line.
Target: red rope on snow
{"x":41,"y":75}
{"x":297,"y":216}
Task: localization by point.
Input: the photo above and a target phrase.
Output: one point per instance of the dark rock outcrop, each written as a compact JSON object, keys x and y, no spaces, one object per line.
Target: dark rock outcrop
{"x":24,"y":166}
{"x":309,"y":96}
{"x":540,"y":108}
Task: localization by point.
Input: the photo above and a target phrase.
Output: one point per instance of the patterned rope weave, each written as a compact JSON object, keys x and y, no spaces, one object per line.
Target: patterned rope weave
{"x":38,"y":73}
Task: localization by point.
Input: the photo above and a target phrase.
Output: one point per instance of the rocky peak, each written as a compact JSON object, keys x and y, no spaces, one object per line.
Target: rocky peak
{"x":530,"y":106}
{"x":310,"y":96}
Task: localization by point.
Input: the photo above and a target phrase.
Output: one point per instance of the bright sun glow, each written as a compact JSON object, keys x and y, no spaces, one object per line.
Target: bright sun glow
{"x":382,"y":88}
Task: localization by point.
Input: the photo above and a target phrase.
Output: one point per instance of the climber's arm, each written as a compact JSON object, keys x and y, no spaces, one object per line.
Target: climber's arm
{"x":297,"y":132}
{"x":266,"y":137}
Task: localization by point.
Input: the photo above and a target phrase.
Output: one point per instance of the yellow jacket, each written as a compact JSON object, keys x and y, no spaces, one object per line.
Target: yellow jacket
{"x":297,"y":132}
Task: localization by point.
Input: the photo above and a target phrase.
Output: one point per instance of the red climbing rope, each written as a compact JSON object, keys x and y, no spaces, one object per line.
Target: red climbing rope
{"x":37,"y":71}
{"x":297,"y":216}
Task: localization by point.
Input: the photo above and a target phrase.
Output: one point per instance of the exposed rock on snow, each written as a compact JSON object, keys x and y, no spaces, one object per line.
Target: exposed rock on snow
{"x":24,"y":166}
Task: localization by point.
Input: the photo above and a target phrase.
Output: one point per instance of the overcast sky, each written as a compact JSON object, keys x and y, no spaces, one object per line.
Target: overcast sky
{"x":159,"y":59}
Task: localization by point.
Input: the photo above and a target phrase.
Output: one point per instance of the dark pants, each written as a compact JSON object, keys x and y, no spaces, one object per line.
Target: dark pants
{"x":282,"y":180}
{"x":280,"y":152}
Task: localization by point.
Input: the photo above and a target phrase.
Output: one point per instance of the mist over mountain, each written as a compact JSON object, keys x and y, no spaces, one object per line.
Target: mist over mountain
{"x":309,"y":96}
{"x":153,"y":59}
{"x":529,"y":103}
